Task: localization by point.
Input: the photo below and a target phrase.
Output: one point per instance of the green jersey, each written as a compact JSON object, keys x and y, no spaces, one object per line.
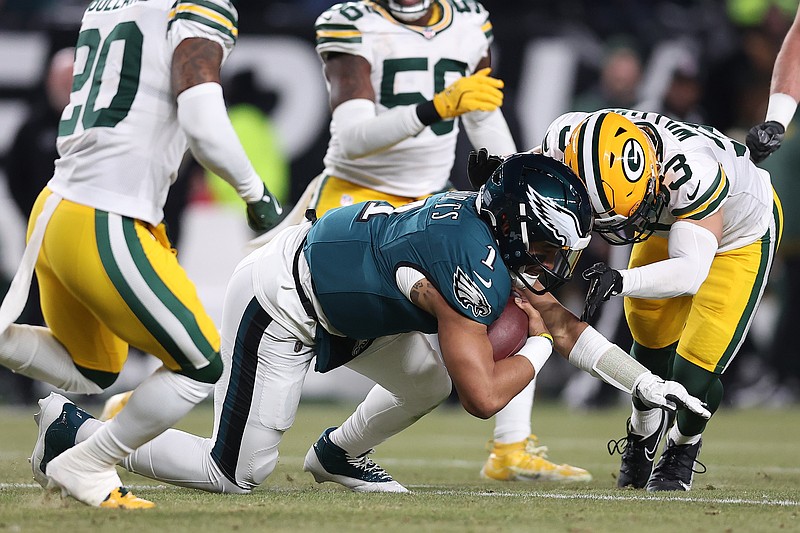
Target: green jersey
{"x":355,"y":252}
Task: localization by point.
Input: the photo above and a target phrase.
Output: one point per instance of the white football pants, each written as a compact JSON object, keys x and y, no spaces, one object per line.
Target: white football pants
{"x":256,"y":400}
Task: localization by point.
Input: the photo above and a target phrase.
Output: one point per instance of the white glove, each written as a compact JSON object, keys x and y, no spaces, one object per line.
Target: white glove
{"x":668,"y":395}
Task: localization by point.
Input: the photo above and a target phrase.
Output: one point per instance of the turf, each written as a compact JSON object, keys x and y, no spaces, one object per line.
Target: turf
{"x":752,"y":483}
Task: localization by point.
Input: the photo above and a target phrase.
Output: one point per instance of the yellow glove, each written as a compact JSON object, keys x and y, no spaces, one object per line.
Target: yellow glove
{"x":478,"y":92}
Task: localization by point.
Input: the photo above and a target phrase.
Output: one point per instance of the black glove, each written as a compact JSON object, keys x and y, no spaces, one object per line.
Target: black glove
{"x":763,"y":139}
{"x":480,"y":166}
{"x":605,"y":282}
{"x":264,"y":214}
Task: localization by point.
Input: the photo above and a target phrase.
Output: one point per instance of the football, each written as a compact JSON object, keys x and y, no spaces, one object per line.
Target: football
{"x":509,"y":332}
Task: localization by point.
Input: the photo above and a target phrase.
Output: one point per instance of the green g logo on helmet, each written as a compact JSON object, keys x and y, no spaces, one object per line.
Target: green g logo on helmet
{"x":633,"y":160}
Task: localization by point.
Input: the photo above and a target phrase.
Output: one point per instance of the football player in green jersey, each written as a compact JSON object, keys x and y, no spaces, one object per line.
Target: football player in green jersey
{"x":364,"y":286}
{"x":404,"y":76}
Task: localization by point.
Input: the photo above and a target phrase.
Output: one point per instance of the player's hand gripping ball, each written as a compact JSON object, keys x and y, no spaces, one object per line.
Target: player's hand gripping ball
{"x":509,"y":332}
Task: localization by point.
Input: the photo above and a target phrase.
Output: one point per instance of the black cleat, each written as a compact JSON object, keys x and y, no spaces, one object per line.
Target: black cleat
{"x":676,"y":469}
{"x":638,"y":455}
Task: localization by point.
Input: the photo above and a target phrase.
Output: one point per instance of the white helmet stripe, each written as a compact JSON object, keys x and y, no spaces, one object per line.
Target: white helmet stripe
{"x":524,"y":226}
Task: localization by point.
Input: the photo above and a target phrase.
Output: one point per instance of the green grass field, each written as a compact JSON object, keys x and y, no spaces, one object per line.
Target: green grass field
{"x":752,"y":484}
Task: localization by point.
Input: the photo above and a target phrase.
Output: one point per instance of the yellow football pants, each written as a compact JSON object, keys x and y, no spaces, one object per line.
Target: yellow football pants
{"x":109,"y":281}
{"x":334,"y":192}
{"x":711,"y":325}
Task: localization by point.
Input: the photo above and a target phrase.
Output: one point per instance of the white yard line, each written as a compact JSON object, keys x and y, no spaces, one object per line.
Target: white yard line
{"x":523,"y":495}
{"x":605,"y":497}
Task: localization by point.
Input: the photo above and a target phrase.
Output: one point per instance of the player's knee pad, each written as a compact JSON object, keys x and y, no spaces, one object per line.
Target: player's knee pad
{"x":190,"y":389}
{"x":264,"y":463}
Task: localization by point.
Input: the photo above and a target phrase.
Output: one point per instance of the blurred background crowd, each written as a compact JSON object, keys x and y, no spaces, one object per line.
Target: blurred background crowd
{"x":701,"y":61}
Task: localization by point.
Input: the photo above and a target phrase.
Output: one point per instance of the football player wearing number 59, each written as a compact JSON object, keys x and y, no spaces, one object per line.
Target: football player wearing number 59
{"x":705,"y":224}
{"x":403,"y":76}
{"x":146,"y":87}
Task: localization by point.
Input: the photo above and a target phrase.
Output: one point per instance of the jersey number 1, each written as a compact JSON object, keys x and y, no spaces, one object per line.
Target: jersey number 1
{"x":131,"y":37}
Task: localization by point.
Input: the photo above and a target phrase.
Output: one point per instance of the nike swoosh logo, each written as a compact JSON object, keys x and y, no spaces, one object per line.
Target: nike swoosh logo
{"x":694,"y":194}
{"x":485,"y":283}
{"x":650,"y":455}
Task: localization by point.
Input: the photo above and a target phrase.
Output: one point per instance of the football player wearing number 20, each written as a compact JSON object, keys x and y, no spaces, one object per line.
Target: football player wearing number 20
{"x":403,"y":77}
{"x":705,"y":223}
{"x":146,"y":87}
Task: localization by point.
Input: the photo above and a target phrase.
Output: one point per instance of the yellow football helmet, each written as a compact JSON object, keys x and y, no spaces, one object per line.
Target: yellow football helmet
{"x":617,"y":162}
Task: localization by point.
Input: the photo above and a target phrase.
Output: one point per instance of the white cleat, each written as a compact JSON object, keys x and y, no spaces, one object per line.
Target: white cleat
{"x":58,"y":420}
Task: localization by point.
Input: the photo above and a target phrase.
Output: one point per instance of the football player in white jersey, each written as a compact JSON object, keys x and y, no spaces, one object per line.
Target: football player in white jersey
{"x":705,"y":223}
{"x":403,"y":75}
{"x":146,"y":87}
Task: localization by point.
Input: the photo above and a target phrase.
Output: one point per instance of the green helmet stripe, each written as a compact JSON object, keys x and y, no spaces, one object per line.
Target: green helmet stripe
{"x":598,"y":179}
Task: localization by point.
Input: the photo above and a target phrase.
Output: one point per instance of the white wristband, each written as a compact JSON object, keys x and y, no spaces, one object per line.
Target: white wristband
{"x":537,"y":350}
{"x":781,"y":108}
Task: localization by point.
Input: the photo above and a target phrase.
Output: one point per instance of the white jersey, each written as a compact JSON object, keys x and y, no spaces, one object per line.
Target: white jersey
{"x":119,"y":140}
{"x":409,"y":65}
{"x":703,"y":171}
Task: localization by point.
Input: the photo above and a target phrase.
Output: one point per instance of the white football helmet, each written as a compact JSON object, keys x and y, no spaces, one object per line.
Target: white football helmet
{"x":406,"y":12}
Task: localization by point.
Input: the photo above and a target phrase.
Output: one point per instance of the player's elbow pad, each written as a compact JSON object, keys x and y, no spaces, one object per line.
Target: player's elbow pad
{"x":360,"y":131}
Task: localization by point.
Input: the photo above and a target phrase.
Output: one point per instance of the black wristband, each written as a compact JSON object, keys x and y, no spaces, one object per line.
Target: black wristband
{"x":427,"y":114}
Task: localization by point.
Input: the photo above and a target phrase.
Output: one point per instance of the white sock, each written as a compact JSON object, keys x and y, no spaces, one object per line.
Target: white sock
{"x":645,"y":423}
{"x":88,"y":427}
{"x":34,"y":352}
{"x":513,"y":422}
{"x":680,"y":439}
{"x":156,"y":404}
{"x":378,"y":417}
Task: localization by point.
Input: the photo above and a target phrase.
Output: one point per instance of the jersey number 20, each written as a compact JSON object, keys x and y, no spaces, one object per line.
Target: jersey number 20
{"x":131,"y":37}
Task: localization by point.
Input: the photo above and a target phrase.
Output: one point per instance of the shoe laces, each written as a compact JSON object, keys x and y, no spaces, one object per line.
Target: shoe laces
{"x":618,"y":446}
{"x":615,"y":446}
{"x":367,"y":465}
{"x":533,"y":447}
{"x":674,"y":459}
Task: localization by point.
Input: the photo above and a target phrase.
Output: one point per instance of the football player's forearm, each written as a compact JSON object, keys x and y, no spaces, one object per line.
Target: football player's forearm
{"x":785,"y":84}
{"x":691,"y":248}
{"x":489,"y":130}
{"x":786,"y":72}
{"x":362,"y":132}
{"x":213,"y":141}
